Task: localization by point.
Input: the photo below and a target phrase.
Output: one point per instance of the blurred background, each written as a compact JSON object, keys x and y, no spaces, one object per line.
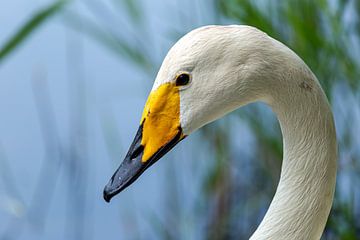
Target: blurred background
{"x":74,"y":76}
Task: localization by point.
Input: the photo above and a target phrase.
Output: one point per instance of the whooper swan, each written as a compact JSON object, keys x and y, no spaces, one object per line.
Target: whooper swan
{"x":215,"y":69}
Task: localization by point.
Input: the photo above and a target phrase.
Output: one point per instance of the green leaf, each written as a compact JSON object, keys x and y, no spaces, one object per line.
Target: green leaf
{"x":132,"y":8}
{"x":32,"y":24}
{"x":110,"y":40}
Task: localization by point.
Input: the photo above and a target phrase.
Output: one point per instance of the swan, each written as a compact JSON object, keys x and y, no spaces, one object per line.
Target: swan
{"x":214,"y":70}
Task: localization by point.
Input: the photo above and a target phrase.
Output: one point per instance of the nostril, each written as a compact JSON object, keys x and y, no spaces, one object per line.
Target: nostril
{"x":137,"y":152}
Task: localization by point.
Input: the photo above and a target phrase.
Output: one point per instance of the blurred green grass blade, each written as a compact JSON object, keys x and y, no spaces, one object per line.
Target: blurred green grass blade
{"x":132,"y":8}
{"x":32,"y":24}
{"x":110,"y":40}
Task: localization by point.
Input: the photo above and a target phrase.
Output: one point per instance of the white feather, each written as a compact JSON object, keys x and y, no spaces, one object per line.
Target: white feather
{"x":234,"y":65}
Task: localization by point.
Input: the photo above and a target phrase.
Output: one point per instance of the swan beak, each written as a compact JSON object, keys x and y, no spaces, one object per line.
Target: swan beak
{"x":158,"y":133}
{"x":133,"y":166}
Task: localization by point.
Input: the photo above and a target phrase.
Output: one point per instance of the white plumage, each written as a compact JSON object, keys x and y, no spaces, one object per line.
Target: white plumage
{"x":232,"y":66}
{"x":235,"y":65}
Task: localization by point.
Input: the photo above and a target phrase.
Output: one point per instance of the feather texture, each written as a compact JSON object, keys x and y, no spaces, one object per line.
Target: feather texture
{"x":232,"y":66}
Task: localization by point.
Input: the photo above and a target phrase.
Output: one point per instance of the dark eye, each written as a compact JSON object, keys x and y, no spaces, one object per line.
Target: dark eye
{"x":183,"y":79}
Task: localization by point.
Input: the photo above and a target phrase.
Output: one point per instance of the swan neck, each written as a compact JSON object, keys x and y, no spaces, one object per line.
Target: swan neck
{"x":303,"y":199}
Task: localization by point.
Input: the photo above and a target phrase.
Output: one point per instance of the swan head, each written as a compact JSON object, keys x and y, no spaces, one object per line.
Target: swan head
{"x":206,"y":74}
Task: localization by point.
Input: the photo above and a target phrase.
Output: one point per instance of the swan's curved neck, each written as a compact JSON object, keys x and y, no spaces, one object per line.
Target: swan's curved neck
{"x":302,"y":202}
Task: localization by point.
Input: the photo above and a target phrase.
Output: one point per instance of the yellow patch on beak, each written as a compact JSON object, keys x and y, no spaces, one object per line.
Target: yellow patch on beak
{"x":160,"y":119}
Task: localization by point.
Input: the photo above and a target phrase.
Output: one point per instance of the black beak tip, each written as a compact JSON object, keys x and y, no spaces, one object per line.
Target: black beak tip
{"x":108,"y":194}
{"x":107,"y":197}
{"x":132,"y":166}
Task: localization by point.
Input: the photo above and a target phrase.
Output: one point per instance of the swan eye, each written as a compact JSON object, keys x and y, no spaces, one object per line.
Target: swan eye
{"x":183,"y":79}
